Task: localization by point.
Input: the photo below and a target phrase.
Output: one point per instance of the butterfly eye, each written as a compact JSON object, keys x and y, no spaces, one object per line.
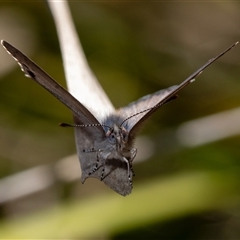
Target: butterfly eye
{"x":111,"y":136}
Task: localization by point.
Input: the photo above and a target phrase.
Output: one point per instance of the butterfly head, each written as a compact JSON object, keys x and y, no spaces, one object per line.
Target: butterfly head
{"x":117,"y":135}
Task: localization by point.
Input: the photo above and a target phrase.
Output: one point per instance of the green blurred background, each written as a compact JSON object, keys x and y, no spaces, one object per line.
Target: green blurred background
{"x":134,"y":48}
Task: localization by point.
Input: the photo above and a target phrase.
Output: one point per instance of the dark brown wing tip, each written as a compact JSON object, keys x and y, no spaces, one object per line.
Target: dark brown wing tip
{"x":9,"y":48}
{"x":4,"y":43}
{"x":236,"y":43}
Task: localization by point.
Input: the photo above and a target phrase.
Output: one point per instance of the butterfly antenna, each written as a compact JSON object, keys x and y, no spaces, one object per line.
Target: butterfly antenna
{"x":82,"y":125}
{"x":152,"y":108}
{"x":143,"y":111}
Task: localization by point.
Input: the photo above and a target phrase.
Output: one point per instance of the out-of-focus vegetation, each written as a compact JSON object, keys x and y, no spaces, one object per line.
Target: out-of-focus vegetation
{"x":134,"y":49}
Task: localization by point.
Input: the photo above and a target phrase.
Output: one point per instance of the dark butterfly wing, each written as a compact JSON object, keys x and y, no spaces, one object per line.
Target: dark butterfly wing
{"x":38,"y":75}
{"x":138,"y":108}
{"x":86,"y":137}
{"x":137,"y":112}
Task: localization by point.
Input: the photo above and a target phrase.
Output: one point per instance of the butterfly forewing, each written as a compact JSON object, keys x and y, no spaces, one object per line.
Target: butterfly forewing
{"x":143,"y":108}
{"x":90,"y":140}
{"x":41,"y":77}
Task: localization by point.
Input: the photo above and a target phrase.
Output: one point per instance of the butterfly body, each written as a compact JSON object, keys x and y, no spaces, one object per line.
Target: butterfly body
{"x":105,"y":149}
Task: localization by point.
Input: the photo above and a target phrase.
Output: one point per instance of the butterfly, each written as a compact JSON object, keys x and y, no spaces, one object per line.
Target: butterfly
{"x":106,"y":149}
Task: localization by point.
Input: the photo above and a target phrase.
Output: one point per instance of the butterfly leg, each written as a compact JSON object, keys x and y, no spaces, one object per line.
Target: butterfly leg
{"x":96,"y":167}
{"x":133,"y":155}
{"x":129,"y":167}
{"x":103,"y":172}
{"x":89,"y":150}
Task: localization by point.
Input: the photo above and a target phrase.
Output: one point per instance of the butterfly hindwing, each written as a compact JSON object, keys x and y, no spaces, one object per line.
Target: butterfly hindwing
{"x":113,"y":170}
